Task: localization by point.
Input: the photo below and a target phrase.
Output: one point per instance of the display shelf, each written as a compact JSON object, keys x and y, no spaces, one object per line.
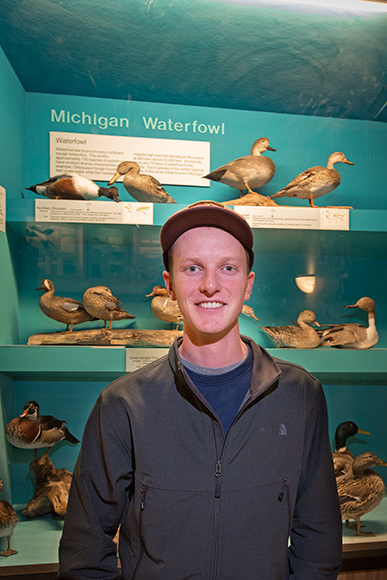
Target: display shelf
{"x":92,"y":363}
{"x":361,"y":220}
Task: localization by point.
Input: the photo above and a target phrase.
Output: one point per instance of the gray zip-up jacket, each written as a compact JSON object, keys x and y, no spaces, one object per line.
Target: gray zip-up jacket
{"x":259,"y":503}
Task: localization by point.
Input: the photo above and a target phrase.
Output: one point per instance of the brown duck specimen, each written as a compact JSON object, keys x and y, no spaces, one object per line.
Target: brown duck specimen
{"x":52,"y":488}
{"x":100,"y":302}
{"x":360,"y":490}
{"x":66,"y":310}
{"x":140,"y":186}
{"x":248,"y":172}
{"x":73,"y":186}
{"x":342,"y":456}
{"x":8,"y":521}
{"x":299,"y":335}
{"x":164,"y":307}
{"x":32,"y":431}
{"x":315,"y":181}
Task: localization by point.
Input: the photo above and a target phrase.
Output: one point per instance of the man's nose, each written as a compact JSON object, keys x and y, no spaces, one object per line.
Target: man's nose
{"x":209,"y":282}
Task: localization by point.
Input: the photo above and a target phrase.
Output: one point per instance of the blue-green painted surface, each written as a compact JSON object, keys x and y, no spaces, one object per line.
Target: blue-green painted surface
{"x":12,"y":110}
{"x":255,"y":55}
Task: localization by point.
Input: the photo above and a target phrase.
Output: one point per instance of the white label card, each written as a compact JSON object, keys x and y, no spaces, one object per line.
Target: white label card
{"x":2,"y":209}
{"x":139,"y":357}
{"x":305,"y":218}
{"x":171,"y":161}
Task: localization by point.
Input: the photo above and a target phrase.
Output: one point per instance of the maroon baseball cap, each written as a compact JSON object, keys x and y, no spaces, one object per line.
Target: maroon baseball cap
{"x":206,"y":214}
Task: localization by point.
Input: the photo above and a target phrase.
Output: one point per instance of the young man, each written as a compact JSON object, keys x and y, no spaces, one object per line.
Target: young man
{"x":214,"y":460}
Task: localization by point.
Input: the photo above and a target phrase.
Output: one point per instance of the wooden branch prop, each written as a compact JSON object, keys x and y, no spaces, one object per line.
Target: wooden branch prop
{"x":106,"y":337}
{"x":52,"y":488}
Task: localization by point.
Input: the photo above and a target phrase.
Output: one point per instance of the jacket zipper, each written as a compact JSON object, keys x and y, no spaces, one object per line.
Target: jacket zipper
{"x":142,"y":507}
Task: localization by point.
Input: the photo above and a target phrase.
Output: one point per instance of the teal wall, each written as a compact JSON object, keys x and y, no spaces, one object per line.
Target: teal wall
{"x":12,"y":111}
{"x":300,"y":142}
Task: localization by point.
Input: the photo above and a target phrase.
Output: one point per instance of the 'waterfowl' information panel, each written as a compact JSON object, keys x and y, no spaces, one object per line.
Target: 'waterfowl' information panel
{"x":171,"y":161}
{"x":301,"y":218}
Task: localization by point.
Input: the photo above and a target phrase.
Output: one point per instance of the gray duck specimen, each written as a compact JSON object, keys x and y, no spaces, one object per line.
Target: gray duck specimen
{"x":8,"y":521}
{"x":315,"y":181}
{"x":342,"y":456}
{"x":73,"y":186}
{"x":352,"y":334}
{"x":249,"y":172}
{"x":66,"y":310}
{"x":34,"y":431}
{"x":360,"y":490}
{"x":100,"y":302}
{"x":299,"y":335}
{"x":140,"y":186}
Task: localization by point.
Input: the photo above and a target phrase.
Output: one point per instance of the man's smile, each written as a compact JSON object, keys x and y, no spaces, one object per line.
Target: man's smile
{"x":210,"y":304}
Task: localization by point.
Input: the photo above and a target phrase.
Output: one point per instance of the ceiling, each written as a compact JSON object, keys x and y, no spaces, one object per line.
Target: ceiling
{"x":242,"y":54}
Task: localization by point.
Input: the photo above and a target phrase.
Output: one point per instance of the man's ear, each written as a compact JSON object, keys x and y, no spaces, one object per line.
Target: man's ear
{"x":169,"y":284}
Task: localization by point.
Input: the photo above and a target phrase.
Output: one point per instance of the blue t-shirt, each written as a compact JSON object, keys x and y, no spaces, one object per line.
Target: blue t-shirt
{"x":223,"y":389}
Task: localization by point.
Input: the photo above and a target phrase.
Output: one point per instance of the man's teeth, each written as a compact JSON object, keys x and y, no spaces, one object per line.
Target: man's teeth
{"x":210,"y":304}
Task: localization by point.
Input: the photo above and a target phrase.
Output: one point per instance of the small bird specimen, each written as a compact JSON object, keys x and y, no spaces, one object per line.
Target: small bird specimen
{"x":315,"y":181}
{"x":352,"y":334}
{"x":164,"y":307}
{"x":248,"y":311}
{"x":66,"y":310}
{"x":360,"y":490}
{"x":298,"y":335}
{"x":73,"y":186}
{"x":249,"y":172}
{"x":140,"y":186}
{"x":8,"y":521}
{"x":342,"y":456}
{"x":100,"y":302}
{"x":34,"y":431}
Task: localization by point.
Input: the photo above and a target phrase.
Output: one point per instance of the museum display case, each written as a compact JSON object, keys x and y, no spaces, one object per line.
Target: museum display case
{"x":339,"y":262}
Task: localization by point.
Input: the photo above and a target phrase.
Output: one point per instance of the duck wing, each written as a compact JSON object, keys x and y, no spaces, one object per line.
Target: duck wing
{"x":71,"y":305}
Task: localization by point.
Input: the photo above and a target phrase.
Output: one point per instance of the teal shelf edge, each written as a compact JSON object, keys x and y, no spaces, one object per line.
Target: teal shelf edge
{"x":89,"y":362}
{"x":23,"y":210}
{"x":109,"y":362}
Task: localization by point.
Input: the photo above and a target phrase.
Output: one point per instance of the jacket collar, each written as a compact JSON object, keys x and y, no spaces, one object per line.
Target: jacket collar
{"x":265,"y":369}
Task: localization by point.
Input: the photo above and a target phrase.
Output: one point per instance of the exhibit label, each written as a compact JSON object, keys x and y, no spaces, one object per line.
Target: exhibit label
{"x":171,"y":161}
{"x":139,"y":357}
{"x":304,"y":218}
{"x":102,"y":212}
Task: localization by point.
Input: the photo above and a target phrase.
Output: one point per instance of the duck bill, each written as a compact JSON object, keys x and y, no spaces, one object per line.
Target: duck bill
{"x":380,"y":462}
{"x":270,"y":148}
{"x":348,"y":162}
{"x":363,"y":432}
{"x":317,"y":324}
{"x":40,"y":288}
{"x":148,"y":295}
{"x":351,"y":306}
{"x":114,"y":178}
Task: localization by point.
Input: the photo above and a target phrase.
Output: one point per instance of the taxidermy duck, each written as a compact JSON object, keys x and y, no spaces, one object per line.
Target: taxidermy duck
{"x":66,"y":310}
{"x":352,"y":334}
{"x":100,"y":302}
{"x":33,"y":431}
{"x":8,"y":521}
{"x":249,"y":172}
{"x":360,"y":490}
{"x":248,"y":311}
{"x":298,"y":335}
{"x":315,"y":181}
{"x":164,"y":307}
{"x":73,"y":186}
{"x":139,"y":185}
{"x":342,"y":456}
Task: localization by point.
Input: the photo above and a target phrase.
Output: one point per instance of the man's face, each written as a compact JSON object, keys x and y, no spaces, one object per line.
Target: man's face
{"x":210,"y":281}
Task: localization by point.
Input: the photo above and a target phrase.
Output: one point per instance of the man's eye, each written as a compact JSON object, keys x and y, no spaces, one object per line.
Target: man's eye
{"x":192,"y":269}
{"x":229,"y":268}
